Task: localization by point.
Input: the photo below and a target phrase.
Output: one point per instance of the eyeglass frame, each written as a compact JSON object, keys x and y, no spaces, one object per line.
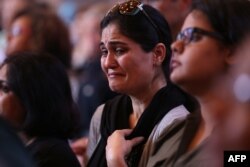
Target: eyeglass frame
{"x":192,"y":30}
{"x":139,"y":7}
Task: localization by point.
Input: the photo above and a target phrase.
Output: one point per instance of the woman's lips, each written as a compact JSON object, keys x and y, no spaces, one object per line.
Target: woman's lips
{"x":174,"y":64}
{"x":114,"y":74}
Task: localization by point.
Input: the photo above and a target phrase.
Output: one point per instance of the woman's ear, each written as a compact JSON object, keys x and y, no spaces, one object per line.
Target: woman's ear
{"x":234,"y":56}
{"x":159,"y":54}
{"x":230,"y":58}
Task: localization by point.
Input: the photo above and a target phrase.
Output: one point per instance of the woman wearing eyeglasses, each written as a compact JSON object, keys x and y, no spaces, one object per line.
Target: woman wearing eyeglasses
{"x":135,"y":46}
{"x":38,"y":28}
{"x":203,"y":54}
{"x":35,"y":98}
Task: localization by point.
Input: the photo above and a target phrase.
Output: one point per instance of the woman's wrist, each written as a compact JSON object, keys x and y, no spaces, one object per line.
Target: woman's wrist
{"x":116,"y":160}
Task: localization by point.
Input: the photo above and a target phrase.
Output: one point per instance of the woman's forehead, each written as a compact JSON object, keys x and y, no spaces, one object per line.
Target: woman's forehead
{"x":197,"y":18}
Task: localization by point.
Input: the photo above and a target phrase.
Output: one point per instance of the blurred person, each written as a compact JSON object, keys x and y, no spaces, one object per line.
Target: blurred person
{"x":39,"y":29}
{"x":93,"y":87}
{"x":36,"y":100}
{"x":12,"y":152}
{"x":89,"y":83}
{"x":10,"y":7}
{"x":8,"y":10}
{"x":135,"y":46}
{"x":174,"y":11}
{"x":237,"y":128}
{"x":85,"y":33}
{"x":203,"y":54}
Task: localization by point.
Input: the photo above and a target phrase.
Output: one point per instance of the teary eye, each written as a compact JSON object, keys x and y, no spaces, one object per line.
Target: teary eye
{"x":119,"y":51}
{"x":104,"y":52}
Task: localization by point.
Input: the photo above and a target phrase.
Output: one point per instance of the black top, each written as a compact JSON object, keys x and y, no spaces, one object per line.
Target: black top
{"x":12,"y":151}
{"x":116,"y":115}
{"x":52,"y":152}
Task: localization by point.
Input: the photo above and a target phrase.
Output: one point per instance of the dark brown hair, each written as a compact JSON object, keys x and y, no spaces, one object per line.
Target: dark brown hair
{"x":49,"y":33}
{"x":41,"y":83}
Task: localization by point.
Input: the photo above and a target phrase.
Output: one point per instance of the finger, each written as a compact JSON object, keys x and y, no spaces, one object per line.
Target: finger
{"x":123,"y":132}
{"x":136,"y":140}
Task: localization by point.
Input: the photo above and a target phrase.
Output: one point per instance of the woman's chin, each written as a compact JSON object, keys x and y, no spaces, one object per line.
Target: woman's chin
{"x":174,"y":78}
{"x":115,"y":88}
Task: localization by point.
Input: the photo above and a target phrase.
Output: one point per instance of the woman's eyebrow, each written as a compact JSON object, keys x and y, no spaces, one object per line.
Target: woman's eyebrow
{"x":112,"y":43}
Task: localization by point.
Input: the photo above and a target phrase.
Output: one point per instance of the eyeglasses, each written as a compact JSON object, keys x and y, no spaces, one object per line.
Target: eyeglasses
{"x":17,"y":30}
{"x":4,"y":87}
{"x":132,"y":7}
{"x":193,"y":34}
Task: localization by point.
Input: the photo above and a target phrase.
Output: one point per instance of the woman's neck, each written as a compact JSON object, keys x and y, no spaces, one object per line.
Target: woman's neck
{"x":213,"y":111}
{"x":141,"y":102}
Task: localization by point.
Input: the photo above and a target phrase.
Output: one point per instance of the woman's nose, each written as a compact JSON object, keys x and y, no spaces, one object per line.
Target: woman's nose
{"x":110,"y":61}
{"x":177,"y":46}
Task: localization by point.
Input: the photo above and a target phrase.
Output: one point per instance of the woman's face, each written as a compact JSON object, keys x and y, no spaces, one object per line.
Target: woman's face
{"x":19,"y":36}
{"x":197,"y":64}
{"x":129,"y":69}
{"x":11,"y":108}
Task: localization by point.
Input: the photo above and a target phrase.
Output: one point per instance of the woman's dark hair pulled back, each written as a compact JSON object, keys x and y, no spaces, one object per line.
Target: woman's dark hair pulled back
{"x":139,"y":29}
